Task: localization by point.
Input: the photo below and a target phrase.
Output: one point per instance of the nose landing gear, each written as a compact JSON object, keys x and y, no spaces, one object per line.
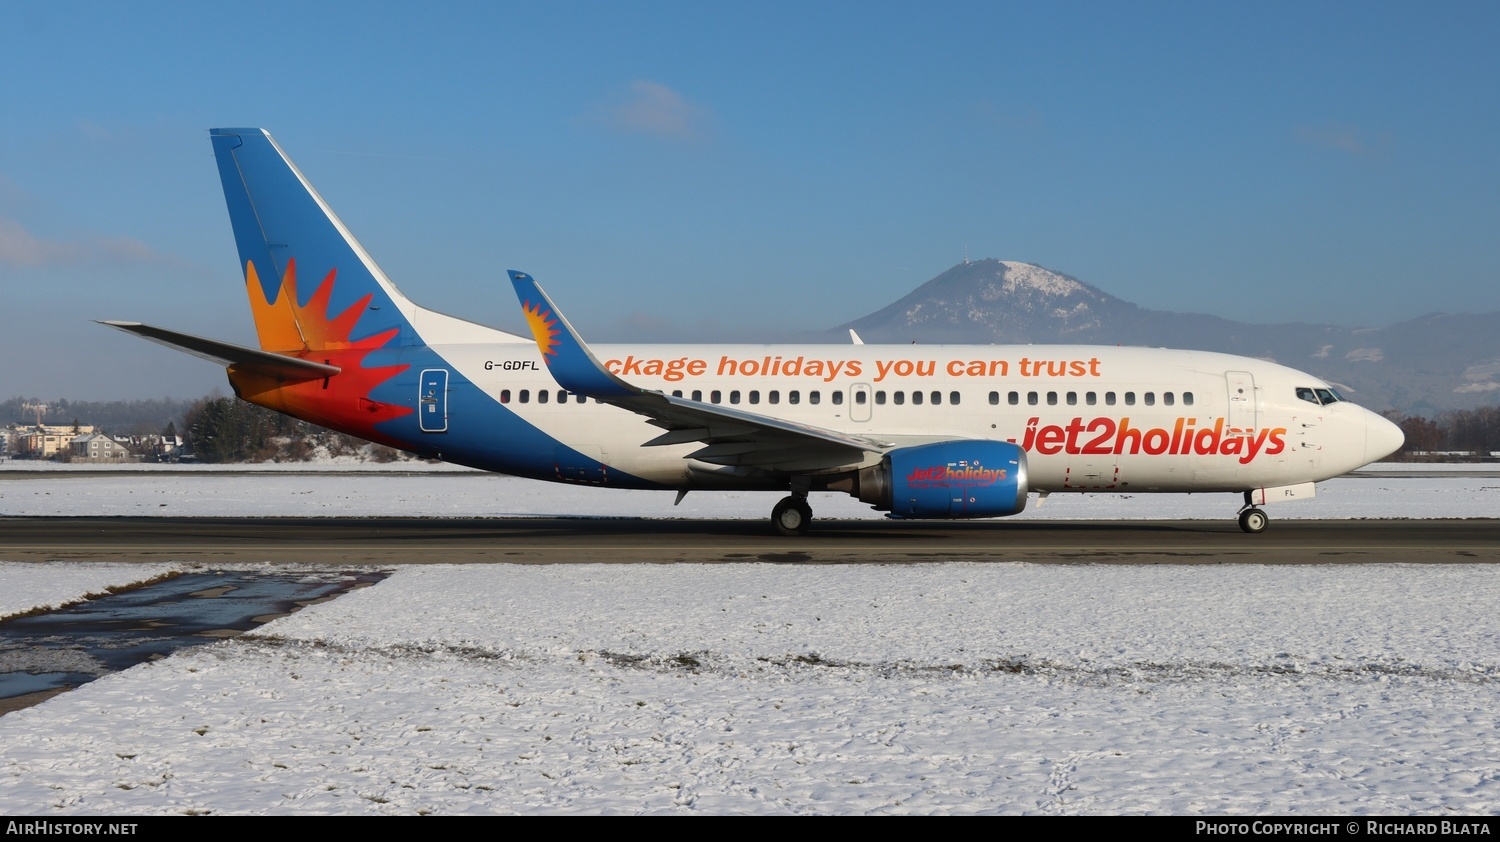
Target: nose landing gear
{"x":1253,"y":520}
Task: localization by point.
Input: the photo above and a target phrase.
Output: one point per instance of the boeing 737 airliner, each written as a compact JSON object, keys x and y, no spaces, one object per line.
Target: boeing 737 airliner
{"x":941,"y":431}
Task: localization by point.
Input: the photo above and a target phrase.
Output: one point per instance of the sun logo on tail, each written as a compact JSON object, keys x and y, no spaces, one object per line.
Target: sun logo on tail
{"x":312,"y":331}
{"x":543,"y":327}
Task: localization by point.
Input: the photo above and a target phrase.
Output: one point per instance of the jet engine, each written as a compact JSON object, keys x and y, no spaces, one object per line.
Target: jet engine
{"x":948,"y":479}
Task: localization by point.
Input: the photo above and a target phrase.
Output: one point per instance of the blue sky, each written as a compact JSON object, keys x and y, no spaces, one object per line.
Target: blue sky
{"x":745,"y":170}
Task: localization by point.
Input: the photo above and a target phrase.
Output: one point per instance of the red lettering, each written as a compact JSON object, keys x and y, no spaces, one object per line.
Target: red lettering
{"x":1049,"y":440}
{"x":1074,"y":428}
{"x":1105,"y":427}
{"x":1127,"y":434}
{"x":1030,"y":434}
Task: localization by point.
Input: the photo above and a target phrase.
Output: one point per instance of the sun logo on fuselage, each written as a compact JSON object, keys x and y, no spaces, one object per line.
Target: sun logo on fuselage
{"x":543,"y":327}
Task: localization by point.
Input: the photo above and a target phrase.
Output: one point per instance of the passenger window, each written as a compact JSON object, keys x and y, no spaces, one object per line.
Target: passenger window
{"x":1168,"y":399}
{"x":734,"y":396}
{"x":859,"y":397}
{"x":541,"y":396}
{"x":1130,"y":398}
{"x":1187,"y":398}
{"x":774,"y":396}
{"x":754,"y":396}
{"x":1014,"y":398}
{"x":562,"y":396}
{"x":1072,"y":399}
{"x":1031,"y":398}
{"x":916,"y":398}
{"x":880,"y":397}
{"x":713,"y":397}
{"x":814,"y":397}
{"x":505,"y":396}
{"x":582,"y":398}
{"x":1052,"y":399}
{"x":1150,"y":399}
{"x":676,"y":393}
{"x":794,"y":396}
{"x":995,"y":398}
{"x":900,"y":398}
{"x":937,"y":397}
{"x":1109,"y":398}
{"x":1091,"y":398}
{"x":838,"y":398}
{"x":698,"y":395}
{"x":953,"y":398}
{"x":525,"y":396}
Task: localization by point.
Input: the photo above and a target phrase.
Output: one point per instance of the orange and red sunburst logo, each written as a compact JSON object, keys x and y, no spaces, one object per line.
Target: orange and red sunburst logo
{"x":543,"y":327}
{"x":309,"y":331}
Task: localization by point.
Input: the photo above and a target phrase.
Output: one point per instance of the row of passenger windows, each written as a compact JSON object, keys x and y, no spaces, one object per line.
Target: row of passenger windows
{"x":1091,"y":398}
{"x":542,"y":396}
{"x":773,"y":396}
{"x":881,"y":397}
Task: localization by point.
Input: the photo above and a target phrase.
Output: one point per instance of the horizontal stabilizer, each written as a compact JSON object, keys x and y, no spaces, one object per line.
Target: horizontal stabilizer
{"x":229,"y":354}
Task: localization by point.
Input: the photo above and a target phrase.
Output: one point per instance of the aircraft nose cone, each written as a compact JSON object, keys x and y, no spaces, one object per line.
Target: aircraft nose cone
{"x":1382,"y":438}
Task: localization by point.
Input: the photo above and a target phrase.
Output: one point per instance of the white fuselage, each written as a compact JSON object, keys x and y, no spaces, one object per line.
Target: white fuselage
{"x":1090,"y":418}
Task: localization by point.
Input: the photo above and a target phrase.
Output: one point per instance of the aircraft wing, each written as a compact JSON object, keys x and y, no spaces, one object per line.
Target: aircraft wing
{"x":228,"y":354}
{"x":730,"y":436}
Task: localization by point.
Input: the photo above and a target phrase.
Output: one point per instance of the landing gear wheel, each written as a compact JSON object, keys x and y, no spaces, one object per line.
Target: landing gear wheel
{"x":1253,"y":521}
{"x":792,"y":516}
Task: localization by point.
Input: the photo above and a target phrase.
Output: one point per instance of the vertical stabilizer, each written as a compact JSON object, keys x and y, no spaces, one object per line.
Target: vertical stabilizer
{"x":311,"y":285}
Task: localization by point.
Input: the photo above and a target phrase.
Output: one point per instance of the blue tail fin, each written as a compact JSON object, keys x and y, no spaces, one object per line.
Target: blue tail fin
{"x":308,"y":279}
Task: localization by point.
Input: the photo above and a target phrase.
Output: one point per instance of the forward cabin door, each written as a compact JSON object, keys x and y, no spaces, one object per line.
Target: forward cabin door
{"x":1241,"y":399}
{"x":432,"y":401}
{"x":860,"y":406}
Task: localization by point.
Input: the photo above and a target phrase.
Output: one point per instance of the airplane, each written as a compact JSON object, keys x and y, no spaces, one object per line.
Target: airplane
{"x":916,"y":431}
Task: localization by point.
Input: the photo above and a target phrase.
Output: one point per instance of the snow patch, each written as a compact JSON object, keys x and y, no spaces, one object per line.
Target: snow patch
{"x":1031,"y":276}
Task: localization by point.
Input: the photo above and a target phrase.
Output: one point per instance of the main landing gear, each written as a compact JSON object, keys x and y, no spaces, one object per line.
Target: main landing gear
{"x":792,"y":516}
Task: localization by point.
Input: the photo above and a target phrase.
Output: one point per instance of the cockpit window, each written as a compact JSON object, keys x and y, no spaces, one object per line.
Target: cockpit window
{"x":1328,"y":396}
{"x":1323,"y":397}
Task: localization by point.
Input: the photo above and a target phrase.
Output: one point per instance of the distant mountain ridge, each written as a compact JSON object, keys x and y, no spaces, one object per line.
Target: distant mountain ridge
{"x":1422,"y":366}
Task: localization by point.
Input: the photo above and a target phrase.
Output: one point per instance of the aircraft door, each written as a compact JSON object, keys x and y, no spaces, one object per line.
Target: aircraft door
{"x":432,"y":400}
{"x":859,"y":402}
{"x":1241,"y":399}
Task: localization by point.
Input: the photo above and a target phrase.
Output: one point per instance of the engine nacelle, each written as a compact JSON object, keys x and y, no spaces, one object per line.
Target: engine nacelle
{"x":948,"y":479}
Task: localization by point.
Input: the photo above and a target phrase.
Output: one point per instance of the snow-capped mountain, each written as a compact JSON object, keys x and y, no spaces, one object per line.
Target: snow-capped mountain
{"x":1428,"y":364}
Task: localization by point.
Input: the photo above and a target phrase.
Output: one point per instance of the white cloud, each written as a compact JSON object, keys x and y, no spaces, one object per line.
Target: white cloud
{"x":21,"y":248}
{"x":657,"y":110}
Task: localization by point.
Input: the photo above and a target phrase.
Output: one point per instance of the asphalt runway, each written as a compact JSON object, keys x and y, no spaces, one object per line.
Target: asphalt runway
{"x":386,"y":541}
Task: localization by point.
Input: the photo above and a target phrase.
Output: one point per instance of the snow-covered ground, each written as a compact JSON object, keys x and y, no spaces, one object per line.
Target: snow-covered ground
{"x":923,"y":688}
{"x":883,"y":689}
